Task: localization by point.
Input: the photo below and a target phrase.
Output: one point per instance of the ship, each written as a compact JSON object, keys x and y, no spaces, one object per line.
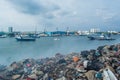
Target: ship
{"x":25,"y":38}
{"x":101,"y":37}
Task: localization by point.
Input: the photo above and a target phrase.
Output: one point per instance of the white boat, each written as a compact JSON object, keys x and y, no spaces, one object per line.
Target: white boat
{"x":25,"y":38}
{"x":101,"y":37}
{"x":56,"y":39}
{"x":3,"y":36}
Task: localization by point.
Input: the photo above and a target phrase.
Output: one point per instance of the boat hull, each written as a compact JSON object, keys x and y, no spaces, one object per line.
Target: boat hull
{"x":25,"y":39}
{"x":98,"y":38}
{"x":107,"y":39}
{"x":91,"y":38}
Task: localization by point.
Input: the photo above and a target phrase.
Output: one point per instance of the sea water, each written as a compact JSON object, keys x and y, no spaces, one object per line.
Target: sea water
{"x":12,"y":50}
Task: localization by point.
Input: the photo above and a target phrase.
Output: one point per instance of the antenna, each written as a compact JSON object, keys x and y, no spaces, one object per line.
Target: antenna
{"x":35,"y":30}
{"x":44,"y":29}
{"x":67,"y":29}
{"x":57,"y":28}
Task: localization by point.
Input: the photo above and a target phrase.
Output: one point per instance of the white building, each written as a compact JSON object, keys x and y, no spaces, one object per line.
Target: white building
{"x":94,"y":30}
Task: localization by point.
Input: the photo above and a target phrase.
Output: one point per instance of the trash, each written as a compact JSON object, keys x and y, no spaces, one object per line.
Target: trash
{"x":109,"y":75}
{"x":98,"y":75}
{"x":75,"y":58}
{"x":85,"y":63}
{"x":28,"y":65}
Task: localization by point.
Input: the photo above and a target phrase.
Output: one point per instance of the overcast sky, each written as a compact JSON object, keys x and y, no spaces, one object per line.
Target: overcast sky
{"x":26,"y":15}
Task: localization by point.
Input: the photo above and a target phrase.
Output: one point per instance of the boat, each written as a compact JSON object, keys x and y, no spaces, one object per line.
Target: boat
{"x":91,"y":37}
{"x":56,"y":39}
{"x":34,"y":36}
{"x":3,"y":36}
{"x":25,"y":38}
{"x":101,"y":37}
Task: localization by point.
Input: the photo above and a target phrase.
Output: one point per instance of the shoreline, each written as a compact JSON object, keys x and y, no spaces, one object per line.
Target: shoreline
{"x":72,"y":66}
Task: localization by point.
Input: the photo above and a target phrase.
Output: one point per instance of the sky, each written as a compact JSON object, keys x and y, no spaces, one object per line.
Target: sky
{"x":28,"y":15}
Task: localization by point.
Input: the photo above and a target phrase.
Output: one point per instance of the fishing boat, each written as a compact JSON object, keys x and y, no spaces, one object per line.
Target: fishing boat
{"x":25,"y":38}
{"x":101,"y":37}
{"x":3,"y":36}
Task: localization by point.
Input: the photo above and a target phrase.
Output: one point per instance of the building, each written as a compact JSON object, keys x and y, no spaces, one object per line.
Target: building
{"x":94,"y":30}
{"x":83,"y":33}
{"x":10,"y":29}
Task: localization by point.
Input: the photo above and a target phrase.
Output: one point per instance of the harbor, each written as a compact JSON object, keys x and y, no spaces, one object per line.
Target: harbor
{"x":59,"y":40}
{"x":13,"y":50}
{"x":59,"y":47}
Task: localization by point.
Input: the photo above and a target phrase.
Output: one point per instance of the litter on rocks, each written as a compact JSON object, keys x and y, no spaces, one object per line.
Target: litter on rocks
{"x":100,"y":64}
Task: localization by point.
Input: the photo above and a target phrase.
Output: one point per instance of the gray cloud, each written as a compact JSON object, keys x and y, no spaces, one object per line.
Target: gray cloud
{"x":24,"y":14}
{"x":57,"y":14}
{"x":105,"y":14}
{"x":28,"y":7}
{"x":31,"y":7}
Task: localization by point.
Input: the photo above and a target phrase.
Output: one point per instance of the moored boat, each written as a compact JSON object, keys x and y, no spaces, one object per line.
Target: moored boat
{"x":3,"y":36}
{"x":101,"y":37}
{"x":25,"y":38}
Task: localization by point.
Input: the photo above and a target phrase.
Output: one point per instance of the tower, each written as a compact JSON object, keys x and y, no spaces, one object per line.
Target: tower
{"x":10,"y":29}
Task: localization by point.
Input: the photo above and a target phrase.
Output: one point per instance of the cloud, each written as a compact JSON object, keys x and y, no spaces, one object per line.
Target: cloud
{"x":32,"y":7}
{"x":105,"y":14}
{"x":46,"y":9}
{"x":60,"y":13}
{"x":24,"y":14}
{"x":28,"y":7}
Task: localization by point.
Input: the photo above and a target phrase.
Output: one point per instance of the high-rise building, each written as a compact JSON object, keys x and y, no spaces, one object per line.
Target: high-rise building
{"x":10,"y":29}
{"x":94,"y":30}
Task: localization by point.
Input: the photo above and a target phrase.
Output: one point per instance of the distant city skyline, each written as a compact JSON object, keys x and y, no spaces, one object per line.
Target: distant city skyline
{"x":11,"y":29}
{"x":26,"y":15}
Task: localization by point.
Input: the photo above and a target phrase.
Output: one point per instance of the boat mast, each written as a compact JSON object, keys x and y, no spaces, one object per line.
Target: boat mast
{"x":67,"y":30}
{"x":35,"y":30}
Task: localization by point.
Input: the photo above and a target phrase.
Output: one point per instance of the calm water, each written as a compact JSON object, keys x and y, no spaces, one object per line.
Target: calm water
{"x":11,"y":50}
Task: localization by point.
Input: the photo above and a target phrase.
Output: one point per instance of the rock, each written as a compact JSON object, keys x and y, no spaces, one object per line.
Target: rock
{"x":91,"y":75}
{"x":85,"y":53}
{"x":110,"y":68}
{"x":39,"y":73}
{"x":2,"y":68}
{"x":9,"y":69}
{"x":14,"y":65}
{"x":80,"y":68}
{"x":14,"y":77}
{"x":71,"y":65}
{"x":33,"y":76}
{"x":62,"y":78}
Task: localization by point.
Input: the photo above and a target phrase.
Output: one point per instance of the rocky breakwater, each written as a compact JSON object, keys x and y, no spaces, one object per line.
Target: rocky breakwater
{"x":86,"y":65}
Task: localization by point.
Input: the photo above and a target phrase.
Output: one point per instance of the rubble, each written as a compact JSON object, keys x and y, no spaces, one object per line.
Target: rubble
{"x":86,"y":65}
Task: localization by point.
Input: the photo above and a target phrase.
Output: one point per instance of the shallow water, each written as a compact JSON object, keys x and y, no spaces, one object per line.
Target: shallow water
{"x":11,"y":50}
